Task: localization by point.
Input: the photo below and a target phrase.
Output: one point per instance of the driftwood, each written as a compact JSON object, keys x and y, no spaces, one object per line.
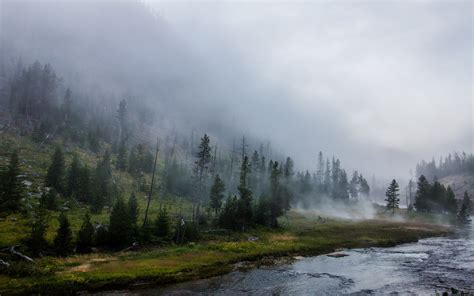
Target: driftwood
{"x":16,"y":253}
{"x":135,"y":244}
{"x":4,"y":263}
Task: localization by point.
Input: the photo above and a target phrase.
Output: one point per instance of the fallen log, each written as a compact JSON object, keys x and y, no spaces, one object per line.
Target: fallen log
{"x":4,"y":263}
{"x":135,"y":244}
{"x":14,"y":252}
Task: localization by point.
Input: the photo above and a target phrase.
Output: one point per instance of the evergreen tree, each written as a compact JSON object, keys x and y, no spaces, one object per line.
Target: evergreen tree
{"x":320,"y":172}
{"x":36,"y":242}
{"x":255,"y":166}
{"x":85,"y":236}
{"x":201,"y":168}
{"x":450,"y":204}
{"x":276,"y":201}
{"x":327,"y":178}
{"x":54,"y":176}
{"x":262,"y":214}
{"x":122,"y":118}
{"x":364,"y":186}
{"x":120,"y":226}
{"x":342,"y":186}
{"x":133,"y":209}
{"x":102,"y":178}
{"x":288,"y":169}
{"x":84,"y":190}
{"x":49,"y":200}
{"x":73,"y":176}
{"x":162,"y":225}
{"x":245,"y":213}
{"x":422,"y":195}
{"x":354,"y":185}
{"x":217,"y":194}
{"x":121,"y":163}
{"x":12,"y":189}
{"x":437,"y":196}
{"x":465,"y":212}
{"x":63,"y":240}
{"x":335,"y":174}
{"x":306,"y":183}
{"x":228,"y":215}
{"x":392,"y":196}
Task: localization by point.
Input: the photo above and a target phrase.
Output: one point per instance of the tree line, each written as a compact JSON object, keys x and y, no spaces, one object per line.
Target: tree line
{"x":431,"y":198}
{"x":452,"y":164}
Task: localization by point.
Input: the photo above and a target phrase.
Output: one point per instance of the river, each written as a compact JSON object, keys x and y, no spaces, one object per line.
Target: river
{"x":423,"y":268}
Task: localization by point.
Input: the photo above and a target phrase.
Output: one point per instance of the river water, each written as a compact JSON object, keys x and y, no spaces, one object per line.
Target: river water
{"x":423,"y":268}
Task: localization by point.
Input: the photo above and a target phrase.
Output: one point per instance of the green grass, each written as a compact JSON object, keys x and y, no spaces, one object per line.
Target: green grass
{"x":164,"y":265}
{"x":156,"y":265}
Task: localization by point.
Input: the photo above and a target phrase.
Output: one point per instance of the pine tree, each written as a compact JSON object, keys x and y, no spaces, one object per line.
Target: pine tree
{"x":121,"y":163}
{"x":437,"y":196}
{"x":85,"y":236}
{"x":342,"y":186}
{"x":54,"y":176}
{"x":49,"y":200}
{"x":364,"y":186}
{"x":228,"y":215}
{"x":465,"y":212}
{"x":255,"y":166}
{"x":327,"y":178}
{"x":12,"y":189}
{"x":72,"y":182}
{"x":162,"y":225}
{"x":422,"y":195}
{"x":217,"y":194}
{"x":133,"y":209}
{"x":262,"y":214}
{"x":320,"y":172}
{"x":84,"y":191}
{"x":392,"y":196}
{"x":288,"y":169}
{"x":36,"y":242}
{"x":120,"y":226}
{"x":102,"y":178}
{"x":201,"y":168}
{"x":276,"y":201}
{"x":245,"y":212}
{"x":63,"y":240}
{"x":122,"y":118}
{"x":450,"y":203}
{"x":354,"y":185}
{"x":306,"y":183}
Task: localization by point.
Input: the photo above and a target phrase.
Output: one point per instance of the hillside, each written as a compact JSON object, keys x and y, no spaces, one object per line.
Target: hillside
{"x":460,"y":183}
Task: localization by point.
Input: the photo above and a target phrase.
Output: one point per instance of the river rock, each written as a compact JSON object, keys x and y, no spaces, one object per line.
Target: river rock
{"x":337,"y":255}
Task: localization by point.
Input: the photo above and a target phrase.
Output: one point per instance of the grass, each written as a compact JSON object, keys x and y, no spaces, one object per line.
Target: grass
{"x":213,"y":254}
{"x":158,"y":266}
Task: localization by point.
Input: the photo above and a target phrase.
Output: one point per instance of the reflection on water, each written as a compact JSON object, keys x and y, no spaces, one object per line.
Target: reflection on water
{"x":429,"y":266}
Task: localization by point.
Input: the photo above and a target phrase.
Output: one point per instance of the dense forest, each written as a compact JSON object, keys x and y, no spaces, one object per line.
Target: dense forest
{"x":453,"y":164}
{"x":233,"y":188}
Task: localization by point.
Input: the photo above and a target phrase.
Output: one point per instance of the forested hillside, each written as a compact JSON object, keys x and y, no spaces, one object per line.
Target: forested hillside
{"x":455,"y":170}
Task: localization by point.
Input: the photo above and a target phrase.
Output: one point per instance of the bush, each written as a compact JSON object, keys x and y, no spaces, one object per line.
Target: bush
{"x":162,"y":225}
{"x":23,"y":269}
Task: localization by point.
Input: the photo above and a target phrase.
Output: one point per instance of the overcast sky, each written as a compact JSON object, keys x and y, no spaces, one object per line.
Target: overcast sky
{"x":383,"y":84}
{"x":380,"y":84}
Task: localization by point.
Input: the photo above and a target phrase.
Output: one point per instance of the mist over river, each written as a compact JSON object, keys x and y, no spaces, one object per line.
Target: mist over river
{"x":423,"y":268}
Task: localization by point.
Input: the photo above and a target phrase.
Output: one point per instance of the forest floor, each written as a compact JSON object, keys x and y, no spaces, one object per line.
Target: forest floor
{"x":212,"y":255}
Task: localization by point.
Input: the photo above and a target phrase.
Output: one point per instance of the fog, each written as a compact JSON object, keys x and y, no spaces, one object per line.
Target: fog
{"x":380,"y":86}
{"x":328,"y":207}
